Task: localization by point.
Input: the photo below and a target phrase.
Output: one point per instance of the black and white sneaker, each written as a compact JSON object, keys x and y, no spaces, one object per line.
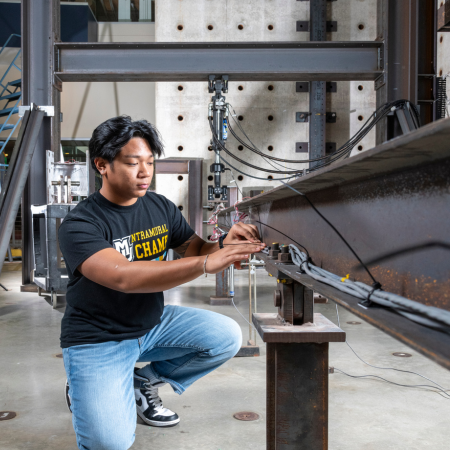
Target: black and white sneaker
{"x":66,"y":395}
{"x":149,"y":406}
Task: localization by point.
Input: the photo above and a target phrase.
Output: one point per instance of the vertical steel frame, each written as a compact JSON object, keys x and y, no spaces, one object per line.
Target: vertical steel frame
{"x":427,"y":61}
{"x":408,"y":29}
{"x":40,"y":30}
{"x":195,"y":208}
{"x":297,"y":396}
{"x":317,"y":94}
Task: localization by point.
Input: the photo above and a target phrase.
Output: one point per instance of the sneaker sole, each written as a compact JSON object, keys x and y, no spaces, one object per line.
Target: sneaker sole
{"x":154,"y":423}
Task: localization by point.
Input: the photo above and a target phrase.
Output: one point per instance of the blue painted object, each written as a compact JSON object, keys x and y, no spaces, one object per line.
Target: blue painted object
{"x":10,"y":95}
{"x":78,"y":23}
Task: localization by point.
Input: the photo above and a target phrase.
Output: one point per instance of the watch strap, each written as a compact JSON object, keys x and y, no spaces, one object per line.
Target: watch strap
{"x":221,"y":240}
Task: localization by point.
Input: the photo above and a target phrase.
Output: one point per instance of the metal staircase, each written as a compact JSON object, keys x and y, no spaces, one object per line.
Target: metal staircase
{"x":10,"y":97}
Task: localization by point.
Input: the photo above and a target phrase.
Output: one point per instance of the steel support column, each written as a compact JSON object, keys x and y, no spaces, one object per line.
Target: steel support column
{"x":195,"y":203}
{"x":398,"y":28}
{"x":40,"y":30}
{"x":317,"y":93}
{"x":297,"y":396}
{"x":427,"y":60}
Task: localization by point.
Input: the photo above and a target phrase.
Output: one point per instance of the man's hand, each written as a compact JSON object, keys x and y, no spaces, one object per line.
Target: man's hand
{"x":232,"y":254}
{"x":243,"y":233}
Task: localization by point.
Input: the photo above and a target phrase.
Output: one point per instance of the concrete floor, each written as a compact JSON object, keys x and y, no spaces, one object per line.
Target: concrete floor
{"x":364,"y":414}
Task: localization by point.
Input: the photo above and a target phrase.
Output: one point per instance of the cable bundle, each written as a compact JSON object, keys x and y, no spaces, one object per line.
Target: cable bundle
{"x":343,"y":152}
{"x":415,"y":311}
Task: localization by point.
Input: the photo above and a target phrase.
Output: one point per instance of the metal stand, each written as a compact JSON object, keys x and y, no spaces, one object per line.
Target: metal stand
{"x":297,"y":380}
{"x":221,"y":297}
{"x":251,"y":349}
{"x":50,"y":274}
{"x":297,"y":363}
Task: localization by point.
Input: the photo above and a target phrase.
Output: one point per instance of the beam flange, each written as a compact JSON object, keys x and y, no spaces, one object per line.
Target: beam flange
{"x":266,"y":61}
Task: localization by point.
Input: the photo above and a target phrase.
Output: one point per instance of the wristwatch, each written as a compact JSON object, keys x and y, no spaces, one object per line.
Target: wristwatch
{"x":221,"y":240}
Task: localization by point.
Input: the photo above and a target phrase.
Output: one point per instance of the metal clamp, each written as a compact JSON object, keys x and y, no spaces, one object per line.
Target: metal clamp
{"x":48,"y":110}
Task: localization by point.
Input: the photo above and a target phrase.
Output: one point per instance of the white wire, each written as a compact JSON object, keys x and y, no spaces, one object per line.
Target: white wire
{"x":232,"y":299}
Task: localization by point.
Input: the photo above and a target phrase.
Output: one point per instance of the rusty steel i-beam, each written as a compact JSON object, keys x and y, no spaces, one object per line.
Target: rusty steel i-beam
{"x":391,"y":197}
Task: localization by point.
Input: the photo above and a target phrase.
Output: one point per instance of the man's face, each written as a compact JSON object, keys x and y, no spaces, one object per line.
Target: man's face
{"x":130,"y":174}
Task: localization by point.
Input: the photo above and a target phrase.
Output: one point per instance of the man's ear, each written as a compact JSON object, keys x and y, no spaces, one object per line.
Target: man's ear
{"x":101,"y":164}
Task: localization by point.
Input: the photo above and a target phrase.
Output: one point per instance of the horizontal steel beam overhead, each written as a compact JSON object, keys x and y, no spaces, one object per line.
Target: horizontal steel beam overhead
{"x":392,"y":197}
{"x":267,"y":61}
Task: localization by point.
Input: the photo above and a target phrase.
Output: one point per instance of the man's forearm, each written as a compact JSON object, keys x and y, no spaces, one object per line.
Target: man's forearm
{"x":156,"y":276}
{"x":208,"y":247}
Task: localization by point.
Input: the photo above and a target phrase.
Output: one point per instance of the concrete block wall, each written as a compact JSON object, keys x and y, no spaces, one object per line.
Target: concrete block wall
{"x":182,"y":108}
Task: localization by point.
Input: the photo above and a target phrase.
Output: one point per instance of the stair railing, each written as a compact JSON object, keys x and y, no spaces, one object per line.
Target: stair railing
{"x":6,"y":87}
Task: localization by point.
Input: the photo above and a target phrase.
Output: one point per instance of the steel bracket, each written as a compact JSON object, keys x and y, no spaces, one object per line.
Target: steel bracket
{"x":331,"y":86}
{"x":302,"y":86}
{"x":48,"y":110}
{"x":302,"y":116}
{"x":380,"y":81}
{"x":330,"y":147}
{"x":301,"y":147}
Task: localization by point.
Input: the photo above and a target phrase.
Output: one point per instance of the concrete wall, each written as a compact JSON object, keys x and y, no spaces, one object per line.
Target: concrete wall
{"x":255,"y":102}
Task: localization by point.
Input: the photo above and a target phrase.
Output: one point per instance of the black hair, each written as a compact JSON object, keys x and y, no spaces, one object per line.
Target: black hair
{"x":110,"y":136}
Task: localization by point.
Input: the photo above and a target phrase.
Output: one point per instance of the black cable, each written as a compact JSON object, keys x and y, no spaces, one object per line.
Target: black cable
{"x":387,"y":368}
{"x":405,"y":251}
{"x":252,"y":176}
{"x":256,"y":150}
{"x":222,"y":147}
{"x":285,"y":235}
{"x":334,"y":229}
{"x":392,"y":382}
{"x":342,"y":152}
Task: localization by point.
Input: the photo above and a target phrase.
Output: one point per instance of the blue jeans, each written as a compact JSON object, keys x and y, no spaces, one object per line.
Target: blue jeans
{"x":187,"y":344}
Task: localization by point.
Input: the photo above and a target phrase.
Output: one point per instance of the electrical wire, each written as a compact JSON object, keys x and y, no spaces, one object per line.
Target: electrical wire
{"x":252,"y":176}
{"x":234,"y":304}
{"x":285,"y":235}
{"x":405,"y":251}
{"x":222,"y":147}
{"x":342,"y":152}
{"x":397,"y":384}
{"x":266,"y":158}
{"x":334,"y":229}
{"x":430,"y":316}
{"x":390,"y":368}
{"x":235,"y":182}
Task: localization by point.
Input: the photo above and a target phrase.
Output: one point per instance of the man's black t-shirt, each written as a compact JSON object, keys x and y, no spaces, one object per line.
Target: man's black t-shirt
{"x":143,"y":231}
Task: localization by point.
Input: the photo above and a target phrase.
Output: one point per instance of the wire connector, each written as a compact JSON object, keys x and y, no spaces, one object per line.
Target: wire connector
{"x":367,"y":303}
